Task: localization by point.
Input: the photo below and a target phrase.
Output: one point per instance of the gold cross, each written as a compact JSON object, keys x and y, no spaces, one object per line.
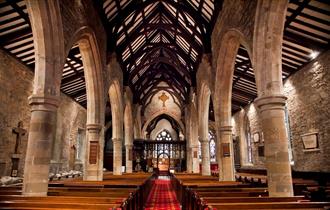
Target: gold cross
{"x":163,"y":98}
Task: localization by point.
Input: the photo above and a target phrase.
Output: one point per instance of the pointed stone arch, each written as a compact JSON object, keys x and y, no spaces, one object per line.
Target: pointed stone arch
{"x":49,"y":62}
{"x":128,"y":128}
{"x":229,"y":45}
{"x":267,"y":56}
{"x":175,"y":117}
{"x":93,"y":61}
{"x":116,"y":101}
{"x":204,"y":94}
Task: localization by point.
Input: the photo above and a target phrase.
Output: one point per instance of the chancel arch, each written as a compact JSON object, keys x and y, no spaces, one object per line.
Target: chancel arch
{"x":159,"y":113}
{"x":165,"y":124}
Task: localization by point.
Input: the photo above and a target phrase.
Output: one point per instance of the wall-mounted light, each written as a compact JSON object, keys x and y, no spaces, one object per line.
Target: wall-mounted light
{"x":314,"y":54}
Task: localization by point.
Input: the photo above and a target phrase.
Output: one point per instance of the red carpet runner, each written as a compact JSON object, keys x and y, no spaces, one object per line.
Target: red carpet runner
{"x":162,"y":196}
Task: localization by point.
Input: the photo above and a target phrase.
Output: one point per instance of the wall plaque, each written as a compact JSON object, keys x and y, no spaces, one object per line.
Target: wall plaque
{"x":225,"y":149}
{"x":195,"y":154}
{"x":310,"y":140}
{"x":261,"y":151}
{"x":93,"y":152}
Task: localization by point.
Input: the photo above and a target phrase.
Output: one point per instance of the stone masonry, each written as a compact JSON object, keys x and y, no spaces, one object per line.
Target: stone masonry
{"x":15,"y":88}
{"x":308,"y":93}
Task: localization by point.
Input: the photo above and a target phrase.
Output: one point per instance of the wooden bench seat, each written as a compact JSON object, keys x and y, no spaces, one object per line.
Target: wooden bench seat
{"x":88,"y":194}
{"x":269,"y":205}
{"x":230,"y":189}
{"x":66,"y":199}
{"x":32,"y":204}
{"x":253,"y":199}
{"x":232,"y":194}
{"x":205,"y":193}
{"x":114,"y":192}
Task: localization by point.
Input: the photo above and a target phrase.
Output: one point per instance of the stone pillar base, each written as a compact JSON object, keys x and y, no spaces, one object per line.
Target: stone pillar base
{"x":206,"y":167}
{"x":117,"y":156}
{"x":41,"y":135}
{"x":93,"y":175}
{"x":195,"y":159}
{"x":129,"y":158}
{"x":227,"y":161}
{"x":94,"y":164}
{"x":276,"y":145}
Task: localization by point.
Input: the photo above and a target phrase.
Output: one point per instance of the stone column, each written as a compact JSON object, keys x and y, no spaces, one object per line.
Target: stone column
{"x":94,"y":162}
{"x":189,"y":159}
{"x":117,"y":156}
{"x":39,"y":147}
{"x":276,"y":145}
{"x":206,"y":167}
{"x":129,"y":158}
{"x":226,"y":154}
{"x":195,"y":160}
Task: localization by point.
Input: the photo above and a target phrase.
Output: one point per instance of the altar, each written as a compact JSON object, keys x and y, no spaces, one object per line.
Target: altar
{"x":159,"y":155}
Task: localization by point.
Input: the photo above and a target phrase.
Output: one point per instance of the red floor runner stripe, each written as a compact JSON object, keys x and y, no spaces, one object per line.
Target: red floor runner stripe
{"x":162,"y":197}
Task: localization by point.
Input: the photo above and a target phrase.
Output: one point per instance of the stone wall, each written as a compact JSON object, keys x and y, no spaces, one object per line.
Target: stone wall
{"x":15,"y":88}
{"x":308,"y":92}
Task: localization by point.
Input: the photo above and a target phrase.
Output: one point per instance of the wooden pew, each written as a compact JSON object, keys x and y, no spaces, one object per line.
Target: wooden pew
{"x":270,"y":205}
{"x":253,"y":199}
{"x":122,"y":192}
{"x":197,"y":196}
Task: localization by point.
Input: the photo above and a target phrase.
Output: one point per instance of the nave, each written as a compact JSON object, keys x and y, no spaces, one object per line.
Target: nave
{"x":227,"y":98}
{"x":155,"y":192}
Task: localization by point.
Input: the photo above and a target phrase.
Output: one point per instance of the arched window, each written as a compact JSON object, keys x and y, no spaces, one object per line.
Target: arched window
{"x":288,"y":131}
{"x":164,"y":136}
{"x":212,"y":147}
{"x":248,"y":140}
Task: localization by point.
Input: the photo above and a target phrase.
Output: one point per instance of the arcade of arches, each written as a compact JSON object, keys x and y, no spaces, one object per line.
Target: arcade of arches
{"x":208,"y":87}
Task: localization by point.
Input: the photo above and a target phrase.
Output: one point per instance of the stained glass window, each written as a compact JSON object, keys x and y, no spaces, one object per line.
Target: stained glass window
{"x":164,"y":136}
{"x":212,"y":147}
{"x":164,"y":148}
{"x":288,"y":131}
{"x":248,"y":139}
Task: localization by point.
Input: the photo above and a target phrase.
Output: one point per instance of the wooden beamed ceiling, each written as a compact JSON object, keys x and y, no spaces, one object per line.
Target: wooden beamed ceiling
{"x":17,"y":40}
{"x":161,"y":42}
{"x":306,"y":35}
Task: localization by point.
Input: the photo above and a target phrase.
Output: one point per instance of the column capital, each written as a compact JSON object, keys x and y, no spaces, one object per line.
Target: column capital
{"x":117,"y":140}
{"x":225,"y":128}
{"x":194,"y":146}
{"x":202,"y":140}
{"x":271,"y":102}
{"x":44,"y":102}
{"x":94,"y":127}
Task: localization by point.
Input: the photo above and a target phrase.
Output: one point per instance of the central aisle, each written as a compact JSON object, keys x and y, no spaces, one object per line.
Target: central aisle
{"x":162,"y":196}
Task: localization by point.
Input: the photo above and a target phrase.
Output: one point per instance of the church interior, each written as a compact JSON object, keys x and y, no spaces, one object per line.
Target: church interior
{"x":164,"y":104}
